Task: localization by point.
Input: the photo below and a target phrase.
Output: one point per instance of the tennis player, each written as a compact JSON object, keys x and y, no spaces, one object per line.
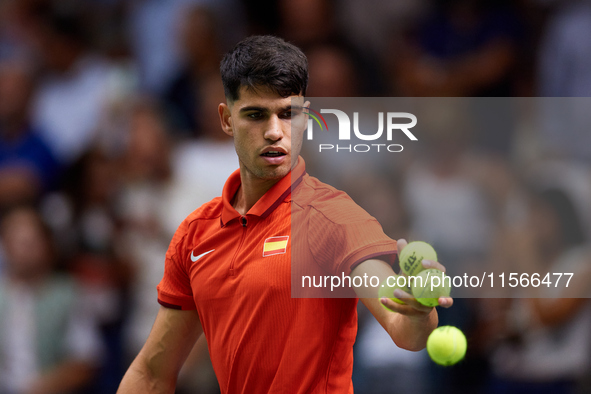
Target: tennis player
{"x":228,"y":268}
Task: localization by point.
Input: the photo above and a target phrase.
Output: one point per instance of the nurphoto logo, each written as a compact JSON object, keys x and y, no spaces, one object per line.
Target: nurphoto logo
{"x":394,"y":123}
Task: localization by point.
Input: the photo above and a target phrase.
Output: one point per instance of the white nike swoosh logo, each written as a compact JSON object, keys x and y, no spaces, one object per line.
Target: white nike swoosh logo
{"x":195,"y":258}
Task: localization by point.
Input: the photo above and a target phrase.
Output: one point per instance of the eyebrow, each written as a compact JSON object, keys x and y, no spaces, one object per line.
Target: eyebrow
{"x":263,"y":109}
{"x":253,"y":108}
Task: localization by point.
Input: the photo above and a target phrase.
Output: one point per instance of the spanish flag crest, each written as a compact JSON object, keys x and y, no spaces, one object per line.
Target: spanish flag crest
{"x":275,"y":245}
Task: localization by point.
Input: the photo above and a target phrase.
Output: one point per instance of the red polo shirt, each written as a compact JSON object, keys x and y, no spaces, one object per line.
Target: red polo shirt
{"x":236,"y":272}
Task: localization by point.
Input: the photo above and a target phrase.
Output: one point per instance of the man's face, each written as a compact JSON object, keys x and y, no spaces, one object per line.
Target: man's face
{"x":267,"y":131}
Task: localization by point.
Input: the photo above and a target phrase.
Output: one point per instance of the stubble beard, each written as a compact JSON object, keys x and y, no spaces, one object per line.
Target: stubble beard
{"x":269,"y":173}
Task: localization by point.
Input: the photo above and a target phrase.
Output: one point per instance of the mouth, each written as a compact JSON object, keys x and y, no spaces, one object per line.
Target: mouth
{"x":273,"y":153}
{"x":274,"y":156}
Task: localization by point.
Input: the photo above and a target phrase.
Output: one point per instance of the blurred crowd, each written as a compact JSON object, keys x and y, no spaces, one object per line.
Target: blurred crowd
{"x":109,"y":138}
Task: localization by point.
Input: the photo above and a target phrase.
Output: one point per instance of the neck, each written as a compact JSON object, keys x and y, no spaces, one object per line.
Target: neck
{"x":250,"y":191}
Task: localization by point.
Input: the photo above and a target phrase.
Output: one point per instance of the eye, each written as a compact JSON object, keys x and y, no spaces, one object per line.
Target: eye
{"x":255,"y":115}
{"x":295,"y":112}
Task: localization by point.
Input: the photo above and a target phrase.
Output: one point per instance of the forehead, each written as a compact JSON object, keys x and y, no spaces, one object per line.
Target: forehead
{"x":264,"y":98}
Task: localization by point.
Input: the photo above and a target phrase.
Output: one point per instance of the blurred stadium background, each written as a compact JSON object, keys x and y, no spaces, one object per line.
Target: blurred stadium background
{"x":109,"y":137}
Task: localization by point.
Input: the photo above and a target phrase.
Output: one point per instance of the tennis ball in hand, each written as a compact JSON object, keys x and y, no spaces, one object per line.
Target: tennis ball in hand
{"x":386,"y":291}
{"x":412,"y":256}
{"x":447,"y":345}
{"x":429,"y":285}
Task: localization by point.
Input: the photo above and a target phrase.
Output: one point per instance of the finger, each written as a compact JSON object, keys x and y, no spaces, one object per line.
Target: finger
{"x":391,"y":305}
{"x":433,"y":264}
{"x":403,"y":309}
{"x":446,"y":302}
{"x":411,"y":301}
{"x":403,"y":295}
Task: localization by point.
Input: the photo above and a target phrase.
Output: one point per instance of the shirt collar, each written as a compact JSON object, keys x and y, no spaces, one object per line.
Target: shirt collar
{"x":270,"y":200}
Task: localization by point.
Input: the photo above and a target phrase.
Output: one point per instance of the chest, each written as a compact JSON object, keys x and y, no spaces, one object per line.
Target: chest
{"x":241,"y":262}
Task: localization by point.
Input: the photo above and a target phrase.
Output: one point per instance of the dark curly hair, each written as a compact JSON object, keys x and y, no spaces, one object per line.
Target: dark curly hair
{"x":264,"y":61}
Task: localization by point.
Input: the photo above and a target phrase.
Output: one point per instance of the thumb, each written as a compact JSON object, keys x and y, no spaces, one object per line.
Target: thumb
{"x":401,"y":244}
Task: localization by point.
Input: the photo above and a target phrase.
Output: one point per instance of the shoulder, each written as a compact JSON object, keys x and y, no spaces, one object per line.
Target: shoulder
{"x":206,"y":215}
{"x":209,"y":211}
{"x":200,"y":221}
{"x":320,"y":199}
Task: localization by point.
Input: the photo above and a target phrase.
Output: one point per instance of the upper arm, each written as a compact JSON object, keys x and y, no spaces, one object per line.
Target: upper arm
{"x":157,"y":365}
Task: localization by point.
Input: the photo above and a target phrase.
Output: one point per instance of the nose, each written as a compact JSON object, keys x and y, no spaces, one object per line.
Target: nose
{"x":274,"y":131}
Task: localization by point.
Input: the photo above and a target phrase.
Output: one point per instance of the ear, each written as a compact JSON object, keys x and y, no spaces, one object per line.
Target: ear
{"x":306,"y":107}
{"x":226,"y":119}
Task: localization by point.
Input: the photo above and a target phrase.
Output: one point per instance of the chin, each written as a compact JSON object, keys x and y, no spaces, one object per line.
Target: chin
{"x":276,"y":173}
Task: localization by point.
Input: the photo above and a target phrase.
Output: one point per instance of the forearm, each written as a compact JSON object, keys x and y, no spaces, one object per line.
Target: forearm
{"x":411,"y":332}
{"x":140,"y":379}
{"x":156,"y":368}
{"x":408,"y":325}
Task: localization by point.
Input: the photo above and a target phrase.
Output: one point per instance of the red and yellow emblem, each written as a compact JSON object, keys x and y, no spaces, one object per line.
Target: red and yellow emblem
{"x":275,"y":245}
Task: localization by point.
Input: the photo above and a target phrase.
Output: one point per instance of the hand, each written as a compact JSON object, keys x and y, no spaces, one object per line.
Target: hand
{"x":413,"y":307}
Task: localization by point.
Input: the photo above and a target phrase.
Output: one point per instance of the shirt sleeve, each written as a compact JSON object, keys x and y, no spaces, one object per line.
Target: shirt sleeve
{"x":174,"y":290}
{"x":341,"y":235}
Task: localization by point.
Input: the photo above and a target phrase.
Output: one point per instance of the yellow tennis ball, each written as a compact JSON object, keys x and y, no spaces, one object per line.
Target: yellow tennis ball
{"x":447,"y":345}
{"x":429,"y":285}
{"x":413,"y":254}
{"x":387,"y":291}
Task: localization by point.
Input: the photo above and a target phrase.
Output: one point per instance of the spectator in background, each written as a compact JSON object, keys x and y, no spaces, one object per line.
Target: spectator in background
{"x":448,"y":208}
{"x":546,"y":341}
{"x":381,"y":368}
{"x":443,"y":197}
{"x":154,"y":36}
{"x":564,"y":66}
{"x":307,"y":22}
{"x":153,"y":41}
{"x":330,"y":66}
{"x":373,"y":25}
{"x":314,"y":26}
{"x":27,"y":166}
{"x":564,"y":70}
{"x":465,"y":48}
{"x":92,"y":254}
{"x":48,"y":341}
{"x":141,"y":206}
{"x":200,"y":165}
{"x":75,"y":88}
{"x":202,"y":55}
{"x":149,"y":196}
{"x":12,"y":35}
{"x":91,"y":186}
